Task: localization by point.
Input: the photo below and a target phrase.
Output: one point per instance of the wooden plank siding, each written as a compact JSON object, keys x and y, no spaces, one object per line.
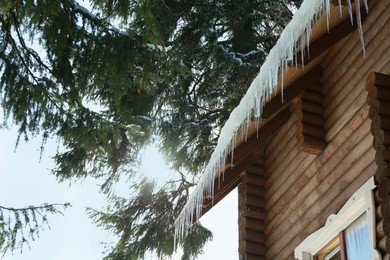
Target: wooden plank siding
{"x":302,"y":189}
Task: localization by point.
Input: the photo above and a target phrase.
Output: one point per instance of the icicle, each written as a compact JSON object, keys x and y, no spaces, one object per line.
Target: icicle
{"x":327,"y":6}
{"x":366,"y":5}
{"x":350,"y":11}
{"x":341,"y":10}
{"x":359,"y":24}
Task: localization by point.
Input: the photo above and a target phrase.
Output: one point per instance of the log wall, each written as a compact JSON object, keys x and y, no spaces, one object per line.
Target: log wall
{"x":252,"y":213}
{"x":303,"y":189}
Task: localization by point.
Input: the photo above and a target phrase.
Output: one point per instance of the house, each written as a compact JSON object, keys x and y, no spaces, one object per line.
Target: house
{"x":309,"y":145}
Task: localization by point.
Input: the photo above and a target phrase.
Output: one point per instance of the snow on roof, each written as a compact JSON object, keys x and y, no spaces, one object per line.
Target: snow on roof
{"x":295,"y":37}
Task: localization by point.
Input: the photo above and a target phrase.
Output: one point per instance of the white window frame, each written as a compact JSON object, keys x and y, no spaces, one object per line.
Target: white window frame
{"x":362,"y":201}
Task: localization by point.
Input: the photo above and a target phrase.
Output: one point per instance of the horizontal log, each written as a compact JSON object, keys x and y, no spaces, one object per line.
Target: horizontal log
{"x":383,"y":94}
{"x":255,"y":190}
{"x":255,"y":202}
{"x":380,"y":233}
{"x":378,"y":79}
{"x":260,"y":160}
{"x":352,"y":114}
{"x":255,"y":236}
{"x":384,"y":186}
{"x":379,"y":160}
{"x":313,"y":130}
{"x":385,"y":207}
{"x":274,"y":147}
{"x":254,"y":224}
{"x":377,"y":93}
{"x":386,"y":170}
{"x":384,"y":108}
{"x":379,"y":139}
{"x":353,"y":108}
{"x":383,"y":154}
{"x":383,"y":244}
{"x":378,"y":199}
{"x":253,"y":179}
{"x":258,"y":214}
{"x":313,"y":96}
{"x":374,"y":108}
{"x":312,"y":118}
{"x":256,"y":169}
{"x":311,"y":144}
{"x":255,"y":248}
{"x":386,"y":152}
{"x":285,"y":160}
{"x":316,"y":86}
{"x":253,"y":257}
{"x":386,"y":225}
{"x":385,"y":122}
{"x":378,"y":212}
{"x":312,"y":107}
{"x":287,"y":185}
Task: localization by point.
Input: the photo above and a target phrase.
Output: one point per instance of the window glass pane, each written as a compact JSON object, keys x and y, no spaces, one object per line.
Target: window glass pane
{"x":357,"y":240}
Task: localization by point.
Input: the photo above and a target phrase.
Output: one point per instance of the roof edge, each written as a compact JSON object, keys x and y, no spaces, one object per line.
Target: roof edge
{"x":294,"y":38}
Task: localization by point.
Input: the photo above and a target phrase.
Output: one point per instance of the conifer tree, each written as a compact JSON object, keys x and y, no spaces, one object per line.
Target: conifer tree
{"x":108,"y":79}
{"x":19,"y":226}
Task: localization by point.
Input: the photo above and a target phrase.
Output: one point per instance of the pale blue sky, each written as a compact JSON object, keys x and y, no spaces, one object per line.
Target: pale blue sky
{"x":25,"y":180}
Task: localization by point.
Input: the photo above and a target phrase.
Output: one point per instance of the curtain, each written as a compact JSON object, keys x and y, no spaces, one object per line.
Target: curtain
{"x":357,"y":240}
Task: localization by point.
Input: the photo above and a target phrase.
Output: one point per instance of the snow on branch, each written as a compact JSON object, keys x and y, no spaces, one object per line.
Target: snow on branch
{"x":92,"y":17}
{"x":294,"y":38}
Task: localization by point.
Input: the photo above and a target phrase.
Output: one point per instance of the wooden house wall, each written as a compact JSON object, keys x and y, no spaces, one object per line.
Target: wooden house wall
{"x":303,"y":189}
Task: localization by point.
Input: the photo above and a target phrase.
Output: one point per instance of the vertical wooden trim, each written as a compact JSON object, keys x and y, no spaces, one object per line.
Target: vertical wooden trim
{"x":343,"y":249}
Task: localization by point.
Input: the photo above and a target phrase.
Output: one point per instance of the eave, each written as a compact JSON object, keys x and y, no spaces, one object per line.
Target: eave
{"x":295,"y":75}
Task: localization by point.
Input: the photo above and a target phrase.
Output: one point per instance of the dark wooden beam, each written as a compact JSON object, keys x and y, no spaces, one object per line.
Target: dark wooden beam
{"x":292,"y":91}
{"x":342,"y":2}
{"x":256,"y":140}
{"x":244,"y":156}
{"x":226,"y":183}
{"x":330,"y":39}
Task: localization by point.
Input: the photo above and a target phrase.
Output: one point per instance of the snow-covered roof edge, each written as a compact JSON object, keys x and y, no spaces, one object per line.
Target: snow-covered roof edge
{"x":294,"y":37}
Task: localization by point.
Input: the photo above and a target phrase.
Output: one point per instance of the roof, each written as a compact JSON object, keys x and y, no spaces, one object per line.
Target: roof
{"x":309,"y":23}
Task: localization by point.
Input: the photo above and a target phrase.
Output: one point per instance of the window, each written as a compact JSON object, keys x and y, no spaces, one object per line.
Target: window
{"x":348,"y":235}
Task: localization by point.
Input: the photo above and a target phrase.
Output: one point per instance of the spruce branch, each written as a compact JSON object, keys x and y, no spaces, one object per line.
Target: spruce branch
{"x":20,"y":226}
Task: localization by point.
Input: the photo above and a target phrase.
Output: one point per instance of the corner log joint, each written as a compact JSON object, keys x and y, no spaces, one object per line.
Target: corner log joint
{"x":310,"y":121}
{"x":378,"y":99}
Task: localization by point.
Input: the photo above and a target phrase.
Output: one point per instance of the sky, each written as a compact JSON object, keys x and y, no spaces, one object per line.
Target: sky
{"x":25,"y":179}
